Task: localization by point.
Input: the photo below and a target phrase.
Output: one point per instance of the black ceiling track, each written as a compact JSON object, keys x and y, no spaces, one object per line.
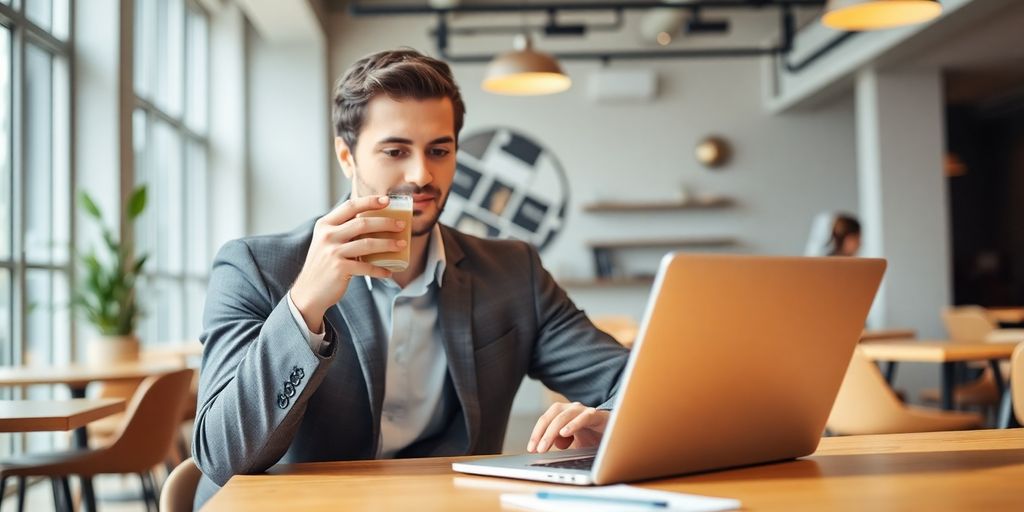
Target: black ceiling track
{"x":444,"y":31}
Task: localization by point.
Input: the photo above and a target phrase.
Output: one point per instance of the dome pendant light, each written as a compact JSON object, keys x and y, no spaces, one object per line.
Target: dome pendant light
{"x":525,"y":72}
{"x":858,"y":15}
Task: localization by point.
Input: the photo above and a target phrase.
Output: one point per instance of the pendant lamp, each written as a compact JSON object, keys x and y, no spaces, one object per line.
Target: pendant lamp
{"x":859,"y":15}
{"x":525,"y":72}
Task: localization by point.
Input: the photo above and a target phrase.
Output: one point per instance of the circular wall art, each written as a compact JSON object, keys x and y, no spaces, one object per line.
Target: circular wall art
{"x":507,"y":186}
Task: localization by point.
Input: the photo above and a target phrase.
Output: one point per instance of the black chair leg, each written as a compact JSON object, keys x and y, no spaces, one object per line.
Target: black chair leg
{"x":65,"y":488}
{"x":154,"y":490}
{"x":21,"y":494}
{"x":88,"y":495}
{"x":58,"y":497}
{"x":147,"y":491}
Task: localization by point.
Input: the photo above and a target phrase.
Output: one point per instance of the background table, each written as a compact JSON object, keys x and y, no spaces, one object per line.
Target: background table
{"x":975,"y":470}
{"x":78,"y":378}
{"x":885,"y":334}
{"x":54,"y":415}
{"x":1007,"y":315}
{"x":947,"y":353}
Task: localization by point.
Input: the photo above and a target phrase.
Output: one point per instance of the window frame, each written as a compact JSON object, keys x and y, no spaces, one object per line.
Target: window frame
{"x":16,"y":264}
{"x":189,"y":138}
{"x":23,"y":32}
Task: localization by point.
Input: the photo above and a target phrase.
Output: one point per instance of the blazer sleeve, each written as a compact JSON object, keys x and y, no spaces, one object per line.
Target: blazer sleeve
{"x":258,"y":371}
{"x":571,"y":355}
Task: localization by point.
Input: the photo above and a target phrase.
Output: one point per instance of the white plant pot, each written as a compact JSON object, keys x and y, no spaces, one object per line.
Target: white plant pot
{"x":112,"y":349}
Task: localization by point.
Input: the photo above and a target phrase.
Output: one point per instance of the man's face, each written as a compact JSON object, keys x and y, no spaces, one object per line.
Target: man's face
{"x":404,"y":143}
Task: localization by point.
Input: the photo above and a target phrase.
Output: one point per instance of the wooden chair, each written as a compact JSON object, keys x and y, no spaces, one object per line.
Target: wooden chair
{"x":179,"y":491}
{"x":867,"y":405}
{"x":153,"y":417}
{"x":971,"y":324}
{"x":102,"y":432}
{"x":621,"y":327}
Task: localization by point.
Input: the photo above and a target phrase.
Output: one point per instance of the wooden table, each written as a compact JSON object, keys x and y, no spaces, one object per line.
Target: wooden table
{"x":974,"y":470}
{"x":1007,"y":315}
{"x":77,"y":378}
{"x":176,"y":352}
{"x":947,"y":354}
{"x":54,"y":415}
{"x":886,"y":334}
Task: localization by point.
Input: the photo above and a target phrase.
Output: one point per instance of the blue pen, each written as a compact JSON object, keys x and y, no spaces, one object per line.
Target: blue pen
{"x":546,"y":495}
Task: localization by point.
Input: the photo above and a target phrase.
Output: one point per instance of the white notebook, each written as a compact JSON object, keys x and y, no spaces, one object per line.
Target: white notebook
{"x":616,"y":498}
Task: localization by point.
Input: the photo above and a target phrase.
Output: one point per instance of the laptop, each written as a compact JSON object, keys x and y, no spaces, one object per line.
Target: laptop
{"x":737,"y":362}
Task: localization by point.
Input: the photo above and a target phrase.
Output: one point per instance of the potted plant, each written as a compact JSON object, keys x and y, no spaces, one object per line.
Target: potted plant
{"x":106,"y":294}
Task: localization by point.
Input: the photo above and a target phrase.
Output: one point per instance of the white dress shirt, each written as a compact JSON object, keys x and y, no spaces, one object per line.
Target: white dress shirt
{"x":416,"y":366}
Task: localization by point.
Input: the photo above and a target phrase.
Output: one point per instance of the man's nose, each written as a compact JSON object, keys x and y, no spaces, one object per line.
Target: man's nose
{"x":418,"y":172}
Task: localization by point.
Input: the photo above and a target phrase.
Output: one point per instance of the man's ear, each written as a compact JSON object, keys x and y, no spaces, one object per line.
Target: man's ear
{"x":345,"y":156}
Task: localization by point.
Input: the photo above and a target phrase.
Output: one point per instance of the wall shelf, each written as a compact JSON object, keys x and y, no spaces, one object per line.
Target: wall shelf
{"x":654,"y":206}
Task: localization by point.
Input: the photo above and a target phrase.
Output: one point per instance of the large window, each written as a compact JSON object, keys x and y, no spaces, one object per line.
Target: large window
{"x":35,"y":187}
{"x":169,"y":127}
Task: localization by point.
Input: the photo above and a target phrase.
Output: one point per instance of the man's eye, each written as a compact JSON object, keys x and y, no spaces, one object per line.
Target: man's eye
{"x":439,"y":152}
{"x":393,"y":153}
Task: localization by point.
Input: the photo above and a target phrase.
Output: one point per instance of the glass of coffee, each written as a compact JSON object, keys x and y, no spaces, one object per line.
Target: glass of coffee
{"x":399,"y":208}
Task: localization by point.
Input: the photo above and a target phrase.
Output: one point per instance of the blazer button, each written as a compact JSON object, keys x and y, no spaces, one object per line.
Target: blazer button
{"x":295,"y":378}
{"x":289,"y":389}
{"x":282,"y":401}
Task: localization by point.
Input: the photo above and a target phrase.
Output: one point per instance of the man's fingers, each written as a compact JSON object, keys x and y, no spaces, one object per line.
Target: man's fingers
{"x":367,"y":246}
{"x":352,"y":207}
{"x":585,"y":419}
{"x":361,"y":268}
{"x":364,"y":226}
{"x":556,"y":424}
{"x":542,"y":425}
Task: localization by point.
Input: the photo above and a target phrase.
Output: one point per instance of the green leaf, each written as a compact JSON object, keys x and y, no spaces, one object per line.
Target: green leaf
{"x":90,"y":206}
{"x":139,"y":263}
{"x":112,"y":243}
{"x":137,"y":203}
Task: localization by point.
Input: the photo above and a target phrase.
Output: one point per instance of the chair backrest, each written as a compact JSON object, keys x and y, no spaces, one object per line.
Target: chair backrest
{"x":1017,"y":382}
{"x":621,"y":327}
{"x":154,"y":415}
{"x":865,"y":403}
{"x":179,"y":490}
{"x":967,"y":323}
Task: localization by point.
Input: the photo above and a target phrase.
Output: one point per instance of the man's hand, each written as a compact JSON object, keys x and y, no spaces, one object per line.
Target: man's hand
{"x":333,"y":256}
{"x":568,"y":426}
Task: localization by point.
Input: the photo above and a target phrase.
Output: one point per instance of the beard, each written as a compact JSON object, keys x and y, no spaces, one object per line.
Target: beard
{"x":440,"y":200}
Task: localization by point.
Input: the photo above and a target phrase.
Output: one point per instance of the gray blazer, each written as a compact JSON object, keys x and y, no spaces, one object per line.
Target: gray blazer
{"x":265,"y":397}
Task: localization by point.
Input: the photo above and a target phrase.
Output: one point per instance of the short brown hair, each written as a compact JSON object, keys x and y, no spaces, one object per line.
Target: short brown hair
{"x":400,"y":74}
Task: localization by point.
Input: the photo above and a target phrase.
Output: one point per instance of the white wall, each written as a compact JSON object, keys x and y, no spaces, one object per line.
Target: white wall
{"x":785,"y":169}
{"x":228,"y":122}
{"x":289,"y":137}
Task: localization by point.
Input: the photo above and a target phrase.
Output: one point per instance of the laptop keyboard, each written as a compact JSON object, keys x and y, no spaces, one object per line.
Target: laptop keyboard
{"x":583,"y":463}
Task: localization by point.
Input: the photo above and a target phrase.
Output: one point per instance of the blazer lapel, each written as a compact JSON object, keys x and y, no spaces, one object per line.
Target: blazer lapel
{"x":455,"y":313}
{"x":357,"y":310}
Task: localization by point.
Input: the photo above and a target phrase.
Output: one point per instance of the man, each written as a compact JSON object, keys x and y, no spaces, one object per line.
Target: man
{"x":311,"y":354}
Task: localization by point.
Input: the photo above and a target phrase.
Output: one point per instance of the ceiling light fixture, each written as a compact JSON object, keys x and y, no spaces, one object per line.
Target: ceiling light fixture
{"x":525,"y":72}
{"x":858,"y":15}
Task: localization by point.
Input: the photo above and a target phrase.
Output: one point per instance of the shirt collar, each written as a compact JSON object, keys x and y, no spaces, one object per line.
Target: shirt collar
{"x":436,"y":259}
